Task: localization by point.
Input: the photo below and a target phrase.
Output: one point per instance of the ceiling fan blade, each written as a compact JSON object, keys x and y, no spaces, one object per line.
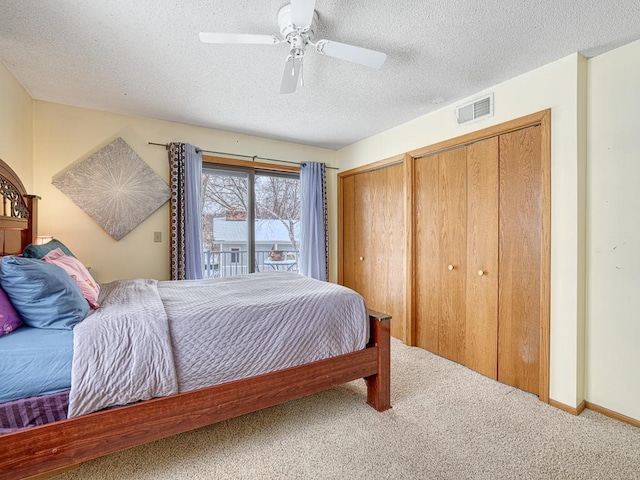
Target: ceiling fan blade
{"x":291,"y":74}
{"x":248,"y":38}
{"x":302,"y":12}
{"x":351,"y":53}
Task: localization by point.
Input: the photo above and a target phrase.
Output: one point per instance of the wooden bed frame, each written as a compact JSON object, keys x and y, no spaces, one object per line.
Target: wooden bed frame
{"x":59,"y":445}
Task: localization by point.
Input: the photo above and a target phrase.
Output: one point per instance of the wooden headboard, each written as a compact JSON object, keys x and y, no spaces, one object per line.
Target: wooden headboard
{"x":19,"y":215}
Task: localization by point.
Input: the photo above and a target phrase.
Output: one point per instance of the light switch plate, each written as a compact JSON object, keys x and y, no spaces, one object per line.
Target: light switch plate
{"x":157,"y":237}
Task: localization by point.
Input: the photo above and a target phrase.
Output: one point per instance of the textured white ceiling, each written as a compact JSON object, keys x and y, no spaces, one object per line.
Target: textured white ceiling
{"x":143,"y":57}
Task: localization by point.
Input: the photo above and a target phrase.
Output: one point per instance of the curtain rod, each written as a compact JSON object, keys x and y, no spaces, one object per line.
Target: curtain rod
{"x":253,"y":158}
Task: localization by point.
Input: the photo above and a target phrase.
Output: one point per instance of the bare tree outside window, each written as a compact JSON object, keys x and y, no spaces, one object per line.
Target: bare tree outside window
{"x":279,"y":198}
{"x":276,"y":198}
{"x":221,"y":194}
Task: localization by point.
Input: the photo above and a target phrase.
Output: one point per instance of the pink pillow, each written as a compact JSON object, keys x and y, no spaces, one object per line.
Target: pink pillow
{"x":9,"y":318}
{"x":76,"y":270}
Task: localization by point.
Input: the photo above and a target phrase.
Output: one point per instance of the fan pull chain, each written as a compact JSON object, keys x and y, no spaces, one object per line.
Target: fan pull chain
{"x":302,"y":72}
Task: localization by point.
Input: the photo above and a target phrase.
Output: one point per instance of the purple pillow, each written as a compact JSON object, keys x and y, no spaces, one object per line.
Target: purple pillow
{"x":9,"y":318}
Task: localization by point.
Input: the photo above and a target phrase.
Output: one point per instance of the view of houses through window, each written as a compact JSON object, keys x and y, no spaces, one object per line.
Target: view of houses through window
{"x":250,"y":221}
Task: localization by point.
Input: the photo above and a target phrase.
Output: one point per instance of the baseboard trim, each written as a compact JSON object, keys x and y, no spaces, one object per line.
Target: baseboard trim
{"x":612,"y":414}
{"x":596,"y":408}
{"x":566,"y":408}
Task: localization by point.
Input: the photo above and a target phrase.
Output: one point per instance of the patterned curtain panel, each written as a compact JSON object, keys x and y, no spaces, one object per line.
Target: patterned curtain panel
{"x":314,"y":235}
{"x":185,"y":166}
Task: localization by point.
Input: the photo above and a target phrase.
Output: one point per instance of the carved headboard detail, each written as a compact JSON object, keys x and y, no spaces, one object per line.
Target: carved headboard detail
{"x":13,"y":199}
{"x":19,"y":214}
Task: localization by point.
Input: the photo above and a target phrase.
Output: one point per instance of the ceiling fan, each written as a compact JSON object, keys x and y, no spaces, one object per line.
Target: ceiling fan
{"x":298,"y":22}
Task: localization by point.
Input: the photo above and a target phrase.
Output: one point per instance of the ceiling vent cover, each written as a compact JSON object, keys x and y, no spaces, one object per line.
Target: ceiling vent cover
{"x":476,"y":110}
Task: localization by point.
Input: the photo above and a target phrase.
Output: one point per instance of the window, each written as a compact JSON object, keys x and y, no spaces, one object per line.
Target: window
{"x":251,"y":218}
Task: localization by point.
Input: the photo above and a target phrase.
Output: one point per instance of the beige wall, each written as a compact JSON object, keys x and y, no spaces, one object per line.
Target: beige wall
{"x":65,"y":135}
{"x":554,"y":86}
{"x":16,"y":127}
{"x":613,"y":231}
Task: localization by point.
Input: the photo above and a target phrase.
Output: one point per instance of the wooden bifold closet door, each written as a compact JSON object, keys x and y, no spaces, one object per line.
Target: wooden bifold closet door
{"x":482,"y":257}
{"x":456,"y":208}
{"x":477,"y":211}
{"x":520,"y":259}
{"x":373,"y":241}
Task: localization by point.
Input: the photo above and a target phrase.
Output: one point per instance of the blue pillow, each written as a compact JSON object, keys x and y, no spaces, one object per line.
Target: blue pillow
{"x":44,"y":295}
{"x":38,"y":251}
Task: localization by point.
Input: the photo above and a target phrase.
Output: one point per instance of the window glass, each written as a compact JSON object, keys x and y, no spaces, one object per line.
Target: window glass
{"x":250,"y":221}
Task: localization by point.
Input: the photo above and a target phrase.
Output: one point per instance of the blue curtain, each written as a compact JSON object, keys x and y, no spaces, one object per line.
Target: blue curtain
{"x":185,"y":165}
{"x":193,"y":213}
{"x":313,"y":221}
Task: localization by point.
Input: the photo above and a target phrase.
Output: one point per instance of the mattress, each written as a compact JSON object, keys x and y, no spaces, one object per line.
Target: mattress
{"x":34,"y":362}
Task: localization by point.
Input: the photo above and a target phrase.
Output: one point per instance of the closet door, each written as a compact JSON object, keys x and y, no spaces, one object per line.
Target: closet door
{"x":348,"y":232}
{"x":396,"y":253}
{"x":520,"y":241}
{"x":363,"y":238}
{"x":481,"y":332}
{"x":377,"y":251}
{"x":372,"y":238}
{"x":453,"y":253}
{"x":428,"y":268}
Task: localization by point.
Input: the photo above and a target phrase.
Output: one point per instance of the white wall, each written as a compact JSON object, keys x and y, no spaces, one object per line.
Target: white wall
{"x":64,"y":135}
{"x":16,"y":127}
{"x":613,"y":231}
{"x":554,"y":86}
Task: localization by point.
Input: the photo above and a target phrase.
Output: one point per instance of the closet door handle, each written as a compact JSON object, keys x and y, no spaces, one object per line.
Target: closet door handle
{"x":361,"y":258}
{"x":480,"y":272}
{"x":450,"y":267}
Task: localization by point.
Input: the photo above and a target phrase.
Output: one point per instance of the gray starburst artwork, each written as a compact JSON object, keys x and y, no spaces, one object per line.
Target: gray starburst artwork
{"x":115,"y":187}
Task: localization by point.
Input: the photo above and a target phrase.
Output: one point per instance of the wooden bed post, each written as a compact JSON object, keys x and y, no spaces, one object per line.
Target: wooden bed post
{"x":379,"y":385}
{"x":30,"y":234}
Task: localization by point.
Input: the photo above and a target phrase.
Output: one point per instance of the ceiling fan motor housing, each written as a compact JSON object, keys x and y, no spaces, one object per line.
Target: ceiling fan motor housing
{"x":297,"y":36}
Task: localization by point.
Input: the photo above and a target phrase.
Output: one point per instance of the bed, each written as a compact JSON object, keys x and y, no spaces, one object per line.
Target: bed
{"x":64,"y":443}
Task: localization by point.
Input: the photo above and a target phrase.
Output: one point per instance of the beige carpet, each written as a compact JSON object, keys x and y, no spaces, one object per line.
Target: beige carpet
{"x":447,"y":423}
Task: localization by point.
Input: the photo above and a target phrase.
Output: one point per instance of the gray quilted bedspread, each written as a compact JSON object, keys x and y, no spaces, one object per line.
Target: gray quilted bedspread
{"x":196,"y":333}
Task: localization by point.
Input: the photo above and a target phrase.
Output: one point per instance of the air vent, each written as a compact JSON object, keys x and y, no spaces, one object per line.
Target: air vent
{"x":476,"y":110}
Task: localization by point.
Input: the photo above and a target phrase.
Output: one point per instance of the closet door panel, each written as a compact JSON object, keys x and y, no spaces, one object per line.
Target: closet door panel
{"x":453,"y":253}
{"x":520,"y":259}
{"x":427,"y":252}
{"x":481,"y":331}
{"x":373,"y":242}
{"x":363,"y":233}
{"x":349,"y":254}
{"x":395,"y":256}
{"x":377,"y":251}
